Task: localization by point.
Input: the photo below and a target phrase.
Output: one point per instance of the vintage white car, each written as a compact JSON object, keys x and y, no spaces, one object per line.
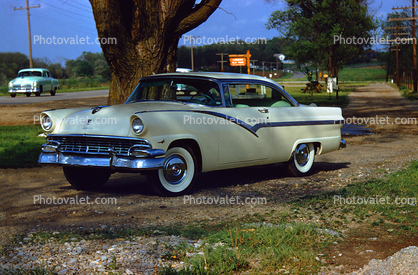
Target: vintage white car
{"x":35,"y":81}
{"x":175,"y":125}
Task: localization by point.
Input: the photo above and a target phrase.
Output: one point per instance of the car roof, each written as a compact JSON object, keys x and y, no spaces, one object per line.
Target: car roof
{"x":217,"y":75}
{"x":33,"y":69}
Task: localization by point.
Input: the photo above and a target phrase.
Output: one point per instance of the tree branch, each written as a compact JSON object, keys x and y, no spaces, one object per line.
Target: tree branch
{"x":199,"y":14}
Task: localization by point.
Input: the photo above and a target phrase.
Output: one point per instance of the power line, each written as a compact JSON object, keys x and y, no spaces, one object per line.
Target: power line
{"x":65,"y":10}
{"x":87,"y":6}
{"x":66,"y":26}
{"x":66,"y":3}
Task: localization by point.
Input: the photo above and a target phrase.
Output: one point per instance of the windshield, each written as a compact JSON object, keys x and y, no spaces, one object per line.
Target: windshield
{"x":29,"y":73}
{"x":185,"y":90}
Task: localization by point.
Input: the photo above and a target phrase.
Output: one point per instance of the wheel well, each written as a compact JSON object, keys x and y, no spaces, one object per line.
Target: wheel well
{"x":318,"y":148}
{"x":193,"y":145}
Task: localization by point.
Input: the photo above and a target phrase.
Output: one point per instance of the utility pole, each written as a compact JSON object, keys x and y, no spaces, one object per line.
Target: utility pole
{"x":29,"y":35}
{"x":413,"y":41}
{"x":396,"y":40}
{"x":390,"y":51}
{"x":254,"y":66}
{"x":191,"y":49}
{"x":262,"y":62}
{"x":222,"y":60}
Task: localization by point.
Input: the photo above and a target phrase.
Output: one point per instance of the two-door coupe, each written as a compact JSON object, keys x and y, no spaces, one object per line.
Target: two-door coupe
{"x":35,"y":80}
{"x":175,"y":125}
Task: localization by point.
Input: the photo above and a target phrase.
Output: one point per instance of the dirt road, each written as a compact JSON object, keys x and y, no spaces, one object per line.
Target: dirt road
{"x":392,"y":146}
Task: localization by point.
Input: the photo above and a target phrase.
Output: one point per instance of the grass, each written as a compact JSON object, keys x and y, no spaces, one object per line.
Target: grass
{"x":408,"y":93}
{"x":321,"y":99}
{"x":40,"y":270}
{"x":20,"y":146}
{"x":271,"y":247}
{"x":286,"y":75}
{"x":361,"y":74}
{"x":390,"y":203}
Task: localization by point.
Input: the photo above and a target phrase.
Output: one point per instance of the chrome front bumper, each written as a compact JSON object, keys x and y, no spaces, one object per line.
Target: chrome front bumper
{"x":23,"y":90}
{"x":146,"y":159}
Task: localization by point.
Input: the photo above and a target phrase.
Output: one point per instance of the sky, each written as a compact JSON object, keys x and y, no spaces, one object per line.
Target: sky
{"x":71,"y":21}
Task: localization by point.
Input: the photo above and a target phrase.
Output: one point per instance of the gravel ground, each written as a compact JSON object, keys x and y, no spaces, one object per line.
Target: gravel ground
{"x":137,"y":256}
{"x":404,"y":262}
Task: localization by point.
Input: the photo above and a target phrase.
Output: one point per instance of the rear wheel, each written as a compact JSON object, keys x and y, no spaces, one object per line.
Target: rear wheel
{"x":28,"y":94}
{"x":178,"y":173}
{"x":86,"y":178}
{"x":13,"y":94}
{"x":302,"y":160}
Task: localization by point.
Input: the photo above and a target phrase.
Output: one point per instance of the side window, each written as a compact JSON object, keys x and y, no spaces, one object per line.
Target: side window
{"x":256,"y":95}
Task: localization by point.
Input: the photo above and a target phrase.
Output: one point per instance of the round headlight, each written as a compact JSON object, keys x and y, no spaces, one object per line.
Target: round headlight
{"x":46,"y":123}
{"x":137,"y":126}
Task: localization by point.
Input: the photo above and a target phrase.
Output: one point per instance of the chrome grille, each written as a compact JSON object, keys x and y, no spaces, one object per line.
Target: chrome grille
{"x":85,"y":144}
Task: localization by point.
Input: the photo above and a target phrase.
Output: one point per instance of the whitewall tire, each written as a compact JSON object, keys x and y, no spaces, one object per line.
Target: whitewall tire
{"x":302,"y":160}
{"x":178,"y":173}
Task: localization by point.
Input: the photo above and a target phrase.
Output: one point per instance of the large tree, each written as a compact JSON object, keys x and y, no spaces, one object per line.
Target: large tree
{"x":320,"y":30}
{"x":147,"y":34}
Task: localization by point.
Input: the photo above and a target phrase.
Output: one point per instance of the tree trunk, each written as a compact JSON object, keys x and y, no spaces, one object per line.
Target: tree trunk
{"x":140,"y":37}
{"x":332,"y":63}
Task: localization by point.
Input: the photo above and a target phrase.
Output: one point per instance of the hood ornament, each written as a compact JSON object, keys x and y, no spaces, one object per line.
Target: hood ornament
{"x":98,"y":108}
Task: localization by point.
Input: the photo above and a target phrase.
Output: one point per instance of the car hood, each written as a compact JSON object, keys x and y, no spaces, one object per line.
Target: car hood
{"x":26,"y":79}
{"x":113,"y":120}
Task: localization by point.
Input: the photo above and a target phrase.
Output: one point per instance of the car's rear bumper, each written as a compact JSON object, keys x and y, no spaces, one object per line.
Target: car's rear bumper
{"x":110,"y":161}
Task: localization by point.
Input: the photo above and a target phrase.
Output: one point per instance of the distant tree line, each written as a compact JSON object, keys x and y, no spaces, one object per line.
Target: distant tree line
{"x":205,"y":58}
{"x":88,"y":64}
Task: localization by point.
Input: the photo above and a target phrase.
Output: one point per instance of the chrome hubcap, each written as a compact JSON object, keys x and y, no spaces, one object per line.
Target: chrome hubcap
{"x":175,"y":169}
{"x":302,"y":154}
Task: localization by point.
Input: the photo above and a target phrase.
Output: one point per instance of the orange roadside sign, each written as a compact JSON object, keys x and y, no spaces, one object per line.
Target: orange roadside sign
{"x":238,"y":61}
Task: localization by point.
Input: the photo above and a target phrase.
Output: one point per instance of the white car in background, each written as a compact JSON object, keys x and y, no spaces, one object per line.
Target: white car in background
{"x":33,"y":80}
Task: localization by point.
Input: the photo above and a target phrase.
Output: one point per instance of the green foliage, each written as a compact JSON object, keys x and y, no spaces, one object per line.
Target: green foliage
{"x":311,"y":26}
{"x":20,"y":146}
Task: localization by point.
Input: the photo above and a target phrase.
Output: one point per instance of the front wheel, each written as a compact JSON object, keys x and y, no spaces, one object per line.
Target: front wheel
{"x":13,"y":94}
{"x":53,"y":91}
{"x":177,"y":175}
{"x":302,"y":160}
{"x":86,"y":178}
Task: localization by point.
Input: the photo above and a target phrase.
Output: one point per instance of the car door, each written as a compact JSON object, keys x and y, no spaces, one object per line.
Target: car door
{"x":244,"y":135}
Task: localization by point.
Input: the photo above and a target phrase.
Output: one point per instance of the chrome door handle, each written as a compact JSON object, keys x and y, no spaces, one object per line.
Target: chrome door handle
{"x":264,"y":110}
